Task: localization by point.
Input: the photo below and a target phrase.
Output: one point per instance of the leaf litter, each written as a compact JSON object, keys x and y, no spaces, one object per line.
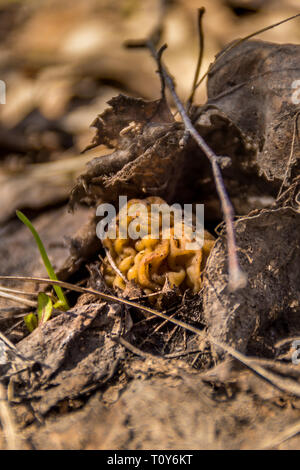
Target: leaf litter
{"x":102,"y":361}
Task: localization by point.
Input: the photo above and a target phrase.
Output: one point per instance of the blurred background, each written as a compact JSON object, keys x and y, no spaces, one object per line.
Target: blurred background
{"x":62,"y":61}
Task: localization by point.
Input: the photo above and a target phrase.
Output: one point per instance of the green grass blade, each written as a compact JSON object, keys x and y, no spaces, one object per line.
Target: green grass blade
{"x":31,"y":322}
{"x":45,"y":307}
{"x":47,"y":262}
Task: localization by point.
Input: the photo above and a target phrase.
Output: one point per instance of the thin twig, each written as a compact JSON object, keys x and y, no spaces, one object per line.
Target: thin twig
{"x":146,"y":296}
{"x":159,"y":327}
{"x":285,"y":341}
{"x":237,"y":277}
{"x":7,"y":342}
{"x":201,"y":12}
{"x":284,"y":384}
{"x":16,"y":298}
{"x":185,"y":352}
{"x":114,"y":266}
{"x":240,"y":41}
{"x":102,"y":295}
{"x":7,"y":422}
{"x":195,"y":359}
{"x":133,"y":349}
{"x":141,"y":353}
{"x":17,"y":291}
{"x":288,"y":433}
{"x":159,"y":62}
{"x":288,"y":166}
{"x":12,"y":328}
{"x":171,"y":334}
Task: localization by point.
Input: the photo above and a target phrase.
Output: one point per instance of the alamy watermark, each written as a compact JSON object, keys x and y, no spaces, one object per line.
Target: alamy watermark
{"x":2,"y":92}
{"x":162,"y":221}
{"x":296,"y":353}
{"x":296,"y":93}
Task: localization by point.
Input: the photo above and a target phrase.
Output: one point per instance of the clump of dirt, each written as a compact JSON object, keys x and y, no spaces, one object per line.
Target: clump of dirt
{"x":255,"y":318}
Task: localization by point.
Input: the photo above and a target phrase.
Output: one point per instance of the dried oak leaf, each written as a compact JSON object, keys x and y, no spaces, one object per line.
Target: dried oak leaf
{"x":254,"y":84}
{"x":146,"y":157}
{"x":269,"y":252}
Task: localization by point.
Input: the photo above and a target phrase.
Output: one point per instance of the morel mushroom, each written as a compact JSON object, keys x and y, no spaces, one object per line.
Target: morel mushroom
{"x":153,"y":258}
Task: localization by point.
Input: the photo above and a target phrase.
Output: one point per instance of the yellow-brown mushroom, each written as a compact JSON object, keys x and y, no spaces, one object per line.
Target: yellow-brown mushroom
{"x":150,"y":262}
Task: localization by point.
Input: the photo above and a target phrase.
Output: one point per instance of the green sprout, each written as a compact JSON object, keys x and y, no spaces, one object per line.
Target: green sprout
{"x":44,"y":311}
{"x":45,"y":305}
{"x":45,"y":308}
{"x":31,"y":322}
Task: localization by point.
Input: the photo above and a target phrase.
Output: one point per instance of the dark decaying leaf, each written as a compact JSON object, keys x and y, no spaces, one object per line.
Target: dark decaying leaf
{"x":74,"y":352}
{"x":254,"y":85}
{"x":269,"y":252}
{"x":250,"y":116}
{"x":146,"y":159}
{"x":123,"y":111}
{"x":247,"y":190}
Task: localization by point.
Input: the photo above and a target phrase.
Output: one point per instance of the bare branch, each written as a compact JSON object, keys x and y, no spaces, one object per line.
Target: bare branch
{"x":201,"y":12}
{"x":162,"y":79}
{"x":237,"y":278}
